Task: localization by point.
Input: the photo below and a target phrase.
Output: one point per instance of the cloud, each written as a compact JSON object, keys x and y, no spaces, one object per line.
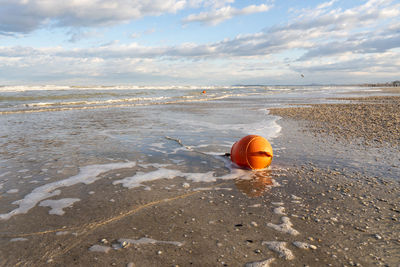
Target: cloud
{"x":209,"y":3}
{"x":363,"y":68}
{"x":216,"y":16}
{"x":369,"y":28}
{"x":374,"y":40}
{"x":77,"y":35}
{"x":325,"y":43}
{"x":342,"y":20}
{"x":26,"y":16}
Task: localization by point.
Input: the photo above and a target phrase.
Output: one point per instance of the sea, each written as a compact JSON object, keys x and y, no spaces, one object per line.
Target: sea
{"x":55,"y":138}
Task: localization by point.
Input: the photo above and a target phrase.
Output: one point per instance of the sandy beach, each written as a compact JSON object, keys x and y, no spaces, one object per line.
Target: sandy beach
{"x":201,"y":133}
{"x":330,"y":198}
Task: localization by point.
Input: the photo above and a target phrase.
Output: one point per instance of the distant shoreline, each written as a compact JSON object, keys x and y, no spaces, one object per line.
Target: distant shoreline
{"x":395,"y":84}
{"x":389,"y":85}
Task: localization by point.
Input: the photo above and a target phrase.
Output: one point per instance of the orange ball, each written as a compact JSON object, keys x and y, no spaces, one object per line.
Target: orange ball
{"x":253,"y":152}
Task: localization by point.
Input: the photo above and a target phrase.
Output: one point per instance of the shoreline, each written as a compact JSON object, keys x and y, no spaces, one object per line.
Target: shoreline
{"x":374,"y":119}
{"x":321,"y":210}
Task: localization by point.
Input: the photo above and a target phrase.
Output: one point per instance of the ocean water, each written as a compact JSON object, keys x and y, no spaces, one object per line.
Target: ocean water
{"x":55,"y":138}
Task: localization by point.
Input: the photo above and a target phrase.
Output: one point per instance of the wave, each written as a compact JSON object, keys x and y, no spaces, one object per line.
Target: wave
{"x":23,"y":88}
{"x":81,"y":105}
{"x":95,"y":102}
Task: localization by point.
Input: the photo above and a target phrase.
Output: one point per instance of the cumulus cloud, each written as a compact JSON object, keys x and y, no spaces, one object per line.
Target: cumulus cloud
{"x":216,"y":16}
{"x":363,"y":29}
{"x":334,"y":20}
{"x":26,"y":16}
{"x":369,"y":28}
{"x":330,"y":43}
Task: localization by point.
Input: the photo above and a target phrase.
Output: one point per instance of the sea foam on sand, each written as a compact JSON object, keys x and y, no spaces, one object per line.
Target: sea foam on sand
{"x":125,"y":242}
{"x":87,"y":175}
{"x":263,"y":263}
{"x":140,"y":177}
{"x":164,"y":173}
{"x":280,"y":210}
{"x":58,"y":205}
{"x":284,"y":227}
{"x":90,"y":174}
{"x":146,"y":240}
{"x":280,"y":248}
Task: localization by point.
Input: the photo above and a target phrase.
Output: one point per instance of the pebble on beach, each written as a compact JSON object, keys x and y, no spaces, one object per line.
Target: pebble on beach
{"x":304,"y":245}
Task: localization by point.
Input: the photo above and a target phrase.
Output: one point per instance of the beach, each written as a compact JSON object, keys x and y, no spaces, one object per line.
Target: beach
{"x":353,"y":204}
{"x":141,"y":184}
{"x":372,"y":119}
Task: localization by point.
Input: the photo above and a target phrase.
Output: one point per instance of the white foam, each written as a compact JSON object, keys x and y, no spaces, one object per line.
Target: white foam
{"x":303,"y":245}
{"x":99,"y":248}
{"x":87,"y":175}
{"x":280,"y":248}
{"x":284,"y":227}
{"x":12,"y":191}
{"x":268,"y":128}
{"x":145,"y":240}
{"x":96,"y":102}
{"x":52,"y":87}
{"x":17,"y":239}
{"x":58,"y":205}
{"x":263,"y":263}
{"x":163,"y":173}
{"x":177,"y":161}
{"x":280,"y":210}
{"x":158,"y":145}
{"x":140,"y":177}
{"x":155,"y":165}
{"x":157,"y":150}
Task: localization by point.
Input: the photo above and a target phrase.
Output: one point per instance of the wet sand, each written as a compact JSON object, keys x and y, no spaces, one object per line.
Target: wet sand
{"x":312,"y":208}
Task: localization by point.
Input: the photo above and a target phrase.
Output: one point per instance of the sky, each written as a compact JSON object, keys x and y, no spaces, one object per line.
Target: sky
{"x":198,"y":42}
